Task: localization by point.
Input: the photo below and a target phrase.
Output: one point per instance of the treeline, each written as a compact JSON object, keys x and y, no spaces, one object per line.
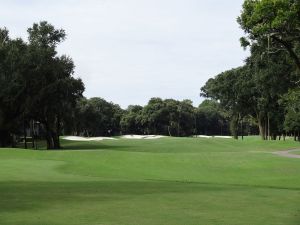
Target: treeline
{"x":266,"y":87}
{"x":97,"y":117}
{"x":40,"y":98}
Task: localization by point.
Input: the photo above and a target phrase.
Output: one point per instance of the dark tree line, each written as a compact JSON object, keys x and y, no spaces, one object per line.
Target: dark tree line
{"x":95,"y":116}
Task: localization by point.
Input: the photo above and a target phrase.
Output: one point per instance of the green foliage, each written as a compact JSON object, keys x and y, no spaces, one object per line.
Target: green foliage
{"x":211,"y":119}
{"x":277,"y":21}
{"x":254,"y":90}
{"x":97,"y":117}
{"x":36,"y":84}
{"x":132,"y":120}
{"x":165,"y":117}
{"x":291,"y":101}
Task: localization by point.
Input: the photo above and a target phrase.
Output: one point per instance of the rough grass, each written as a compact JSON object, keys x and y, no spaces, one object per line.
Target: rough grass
{"x":170,"y":181}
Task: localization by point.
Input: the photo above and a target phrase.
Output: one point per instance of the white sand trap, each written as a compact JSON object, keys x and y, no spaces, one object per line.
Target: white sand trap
{"x":288,"y":153}
{"x":77,"y":138}
{"x":205,"y":136}
{"x":202,"y":136}
{"x":226,"y":137}
{"x":142,"y":136}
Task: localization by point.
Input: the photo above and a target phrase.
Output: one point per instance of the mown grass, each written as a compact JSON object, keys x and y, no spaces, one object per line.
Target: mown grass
{"x":297,"y":152}
{"x":171,"y":181}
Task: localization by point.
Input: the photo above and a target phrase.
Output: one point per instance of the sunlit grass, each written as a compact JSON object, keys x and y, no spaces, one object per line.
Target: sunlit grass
{"x":166,"y":181}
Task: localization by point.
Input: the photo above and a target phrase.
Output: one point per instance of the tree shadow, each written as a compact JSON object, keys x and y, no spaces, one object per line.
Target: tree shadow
{"x":86,"y":146}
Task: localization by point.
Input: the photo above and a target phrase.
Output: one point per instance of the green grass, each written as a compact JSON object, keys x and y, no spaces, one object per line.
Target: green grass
{"x":297,"y":152}
{"x":170,"y":181}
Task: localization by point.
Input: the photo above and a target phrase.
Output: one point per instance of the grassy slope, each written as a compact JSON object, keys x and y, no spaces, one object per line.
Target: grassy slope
{"x":168,"y":181}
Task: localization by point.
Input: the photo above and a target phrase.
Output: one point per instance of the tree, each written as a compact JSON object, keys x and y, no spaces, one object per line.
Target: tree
{"x":12,"y":86}
{"x":155,"y":117}
{"x":187,"y":119}
{"x":254,"y":90}
{"x":274,"y":21}
{"x":231,"y":88}
{"x":51,"y":90}
{"x":211,"y":119}
{"x":291,"y":101}
{"x":272,"y":75}
{"x":97,"y":117}
{"x":160,"y":117}
{"x":132,"y":121}
{"x":172,"y":108}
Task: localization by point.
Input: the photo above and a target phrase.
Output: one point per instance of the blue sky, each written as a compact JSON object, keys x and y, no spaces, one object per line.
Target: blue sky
{"x":128,"y":51}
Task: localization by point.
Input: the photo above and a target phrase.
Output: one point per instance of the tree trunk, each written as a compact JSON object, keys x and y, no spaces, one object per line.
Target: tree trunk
{"x":57,"y":133}
{"x":242,"y":129}
{"x":50,"y":142}
{"x":234,"y":126}
{"x":13,"y":141}
{"x":266,"y":130}
{"x":52,"y":135}
{"x":32,"y":133}
{"x":169,"y":131}
{"x":25,"y":135}
{"x":269,"y":138}
{"x":55,"y":138}
{"x":261,"y":127}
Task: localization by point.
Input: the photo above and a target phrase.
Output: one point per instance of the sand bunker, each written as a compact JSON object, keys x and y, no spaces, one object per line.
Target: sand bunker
{"x":77,"y":138}
{"x":288,"y":153}
{"x":205,"y":136}
{"x":142,"y":136}
{"x":226,"y":137}
{"x":202,"y":136}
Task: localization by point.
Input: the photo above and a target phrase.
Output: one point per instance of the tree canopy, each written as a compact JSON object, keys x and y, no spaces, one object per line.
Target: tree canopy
{"x":36,"y":83}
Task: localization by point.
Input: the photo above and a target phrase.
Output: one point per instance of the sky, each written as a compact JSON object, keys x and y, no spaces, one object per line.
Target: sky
{"x":127,"y":51}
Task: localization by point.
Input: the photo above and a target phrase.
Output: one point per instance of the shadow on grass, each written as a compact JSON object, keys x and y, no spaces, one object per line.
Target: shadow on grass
{"x":70,"y":145}
{"x":20,"y":196}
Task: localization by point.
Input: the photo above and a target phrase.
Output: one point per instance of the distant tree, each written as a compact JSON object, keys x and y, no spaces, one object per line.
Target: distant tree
{"x":97,"y":117}
{"x":155,"y":116}
{"x":132,"y":121}
{"x":187,"y":118}
{"x":211,"y":119}
{"x":231,"y":90}
{"x":173,"y":124}
{"x":291,"y":101}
